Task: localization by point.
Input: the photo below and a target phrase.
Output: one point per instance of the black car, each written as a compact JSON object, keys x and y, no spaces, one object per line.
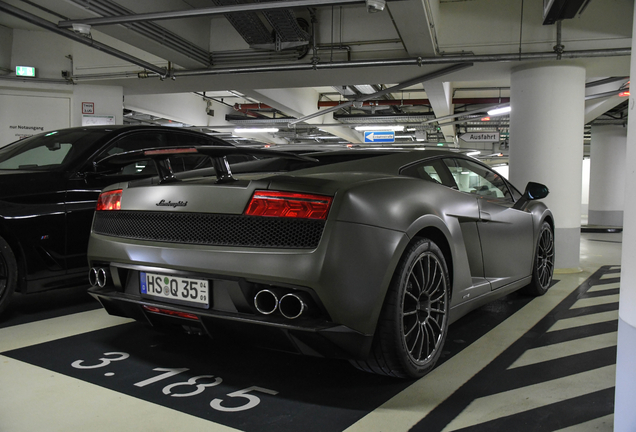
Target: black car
{"x":49,"y":184}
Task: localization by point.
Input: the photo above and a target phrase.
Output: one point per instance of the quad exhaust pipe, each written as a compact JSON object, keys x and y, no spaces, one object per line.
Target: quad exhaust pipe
{"x":97,"y":276}
{"x":291,"y":305}
{"x":266,"y":301}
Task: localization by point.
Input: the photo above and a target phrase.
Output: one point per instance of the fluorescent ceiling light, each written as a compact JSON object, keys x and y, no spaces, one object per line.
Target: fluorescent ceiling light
{"x":499,"y":111}
{"x":379,"y":128}
{"x":255,"y":130}
{"x":473,"y":153}
{"x":365,"y":89}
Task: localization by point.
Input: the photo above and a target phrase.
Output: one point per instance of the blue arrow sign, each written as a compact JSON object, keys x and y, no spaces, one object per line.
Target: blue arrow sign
{"x":379,"y":136}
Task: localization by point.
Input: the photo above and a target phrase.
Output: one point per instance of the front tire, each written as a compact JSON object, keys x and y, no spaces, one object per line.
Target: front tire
{"x":8,"y":274}
{"x":414,"y":319}
{"x":543,"y":265}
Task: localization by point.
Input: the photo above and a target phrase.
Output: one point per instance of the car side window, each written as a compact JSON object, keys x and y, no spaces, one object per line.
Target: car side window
{"x":476,"y":179}
{"x":429,"y":170}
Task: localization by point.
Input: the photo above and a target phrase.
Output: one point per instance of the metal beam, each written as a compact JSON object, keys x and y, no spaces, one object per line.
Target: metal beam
{"x":36,"y":20}
{"x":388,"y":90}
{"x":217,"y":10}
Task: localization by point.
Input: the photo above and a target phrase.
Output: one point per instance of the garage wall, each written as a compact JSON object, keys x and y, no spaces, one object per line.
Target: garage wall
{"x":25,"y":112}
{"x":24,"y":115}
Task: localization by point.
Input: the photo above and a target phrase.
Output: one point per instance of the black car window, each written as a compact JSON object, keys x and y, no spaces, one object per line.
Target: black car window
{"x":431,"y":170}
{"x":47,"y":151}
{"x":476,"y":179}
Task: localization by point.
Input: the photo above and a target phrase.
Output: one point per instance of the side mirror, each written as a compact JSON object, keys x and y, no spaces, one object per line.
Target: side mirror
{"x":533,"y":191}
{"x":536,"y":191}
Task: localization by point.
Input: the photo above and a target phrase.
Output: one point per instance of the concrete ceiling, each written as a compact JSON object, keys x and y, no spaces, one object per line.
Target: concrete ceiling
{"x":341,"y":46}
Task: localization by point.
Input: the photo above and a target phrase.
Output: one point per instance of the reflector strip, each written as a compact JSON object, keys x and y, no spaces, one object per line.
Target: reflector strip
{"x":171,"y":312}
{"x":289,"y":204}
{"x":110,"y":200}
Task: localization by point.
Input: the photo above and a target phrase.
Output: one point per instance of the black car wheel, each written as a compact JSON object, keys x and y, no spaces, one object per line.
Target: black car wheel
{"x":543,"y":267}
{"x":8,"y":274}
{"x":414,"y":321}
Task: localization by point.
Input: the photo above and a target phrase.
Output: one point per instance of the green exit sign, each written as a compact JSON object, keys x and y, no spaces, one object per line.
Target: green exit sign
{"x":27,"y":71}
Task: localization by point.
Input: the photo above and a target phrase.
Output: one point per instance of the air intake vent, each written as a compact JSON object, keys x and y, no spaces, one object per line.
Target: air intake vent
{"x":211,"y":229}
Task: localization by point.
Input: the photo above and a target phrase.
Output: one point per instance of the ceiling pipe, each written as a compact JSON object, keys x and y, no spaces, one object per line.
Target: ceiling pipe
{"x":36,"y":20}
{"x":218,"y":10}
{"x":613,"y":52}
{"x":392,"y":102}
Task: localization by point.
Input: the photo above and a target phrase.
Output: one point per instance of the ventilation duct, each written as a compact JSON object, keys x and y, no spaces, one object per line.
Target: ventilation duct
{"x":287,"y":30}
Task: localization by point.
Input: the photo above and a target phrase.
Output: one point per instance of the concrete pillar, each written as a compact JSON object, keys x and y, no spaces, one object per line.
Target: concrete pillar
{"x":624,"y":412}
{"x":546,"y":145}
{"x":607,"y":175}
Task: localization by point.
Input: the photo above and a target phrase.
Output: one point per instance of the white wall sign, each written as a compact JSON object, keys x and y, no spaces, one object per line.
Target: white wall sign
{"x":480,"y":137}
{"x":88,"y":107}
{"x":95,"y":120}
{"x":23,"y":116}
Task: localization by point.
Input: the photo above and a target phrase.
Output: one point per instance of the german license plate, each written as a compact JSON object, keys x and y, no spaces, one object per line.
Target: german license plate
{"x":194,"y":292}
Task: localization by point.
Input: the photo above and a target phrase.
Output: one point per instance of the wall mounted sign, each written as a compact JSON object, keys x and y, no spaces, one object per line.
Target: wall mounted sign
{"x":379,"y":137}
{"x":480,"y":137}
{"x":88,"y":107}
{"x":25,"y":71}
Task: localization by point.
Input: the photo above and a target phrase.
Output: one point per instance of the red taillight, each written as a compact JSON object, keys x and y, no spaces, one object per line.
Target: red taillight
{"x":110,"y":200}
{"x":289,"y":204}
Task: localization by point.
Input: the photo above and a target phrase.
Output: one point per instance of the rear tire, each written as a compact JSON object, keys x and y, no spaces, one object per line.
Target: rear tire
{"x":8,"y":274}
{"x":543,"y":265}
{"x":414,"y":319}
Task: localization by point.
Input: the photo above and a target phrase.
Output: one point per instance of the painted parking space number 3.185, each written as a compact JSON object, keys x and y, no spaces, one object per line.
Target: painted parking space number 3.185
{"x":198,"y":382}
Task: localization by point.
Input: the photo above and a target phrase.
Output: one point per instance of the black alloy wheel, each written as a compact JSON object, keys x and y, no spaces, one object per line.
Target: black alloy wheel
{"x":8,"y":274}
{"x":424,"y":309}
{"x":414,"y":320}
{"x":543,"y":267}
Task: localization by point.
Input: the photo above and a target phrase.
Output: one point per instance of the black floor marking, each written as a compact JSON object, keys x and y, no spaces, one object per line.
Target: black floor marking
{"x":496,"y":377}
{"x":313,"y":394}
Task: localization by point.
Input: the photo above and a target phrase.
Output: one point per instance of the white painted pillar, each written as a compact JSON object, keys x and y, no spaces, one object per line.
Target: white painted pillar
{"x":607,"y":175}
{"x":546,"y":145}
{"x":624,"y":412}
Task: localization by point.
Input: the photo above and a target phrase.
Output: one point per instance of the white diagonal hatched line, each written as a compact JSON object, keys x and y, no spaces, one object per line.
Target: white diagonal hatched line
{"x":564,"y":349}
{"x":595,"y":301}
{"x":580,"y":321}
{"x":603,"y":287}
{"x":609,"y":276}
{"x":535,"y":396}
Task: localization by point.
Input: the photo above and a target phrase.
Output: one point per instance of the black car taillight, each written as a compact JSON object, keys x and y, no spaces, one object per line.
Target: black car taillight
{"x":289,"y":204}
{"x":110,"y":200}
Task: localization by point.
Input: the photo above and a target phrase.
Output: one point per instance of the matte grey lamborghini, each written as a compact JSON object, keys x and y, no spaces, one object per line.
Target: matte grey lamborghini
{"x":361,"y":255}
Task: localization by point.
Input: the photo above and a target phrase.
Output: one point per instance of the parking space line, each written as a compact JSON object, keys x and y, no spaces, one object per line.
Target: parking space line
{"x":583,"y":320}
{"x":37,"y":332}
{"x":564,"y":349}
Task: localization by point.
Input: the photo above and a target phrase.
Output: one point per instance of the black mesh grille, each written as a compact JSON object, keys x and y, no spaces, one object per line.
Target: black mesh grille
{"x":210,"y":229}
